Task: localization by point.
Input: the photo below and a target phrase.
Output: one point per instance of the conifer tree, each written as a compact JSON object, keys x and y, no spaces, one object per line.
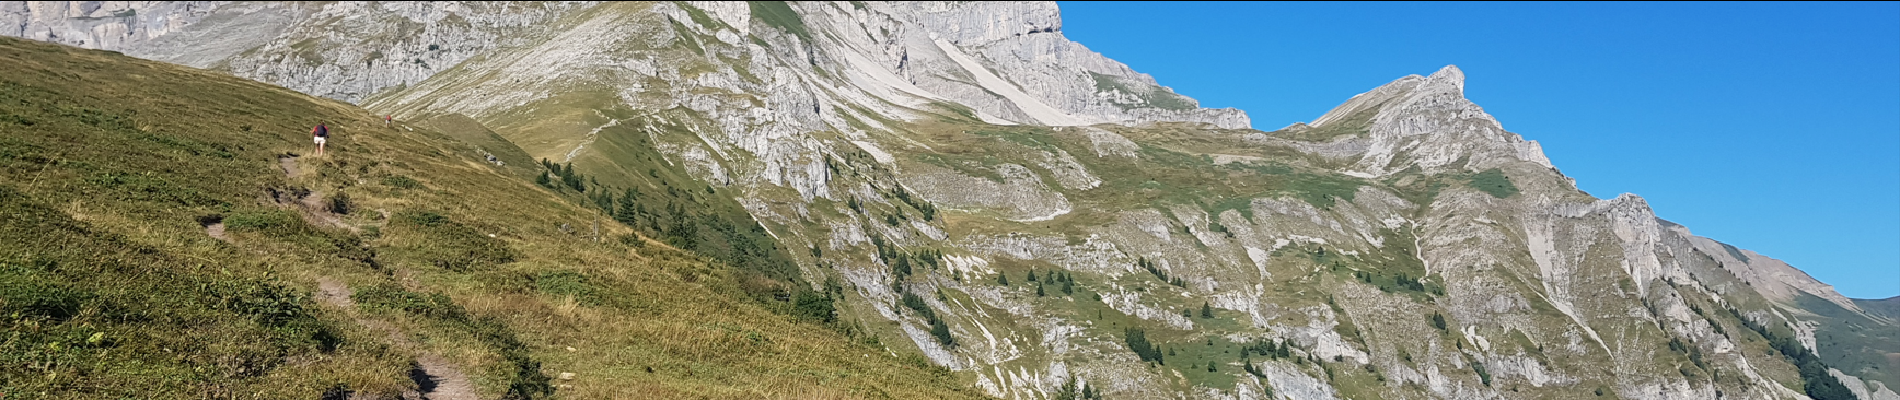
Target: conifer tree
{"x":1207,"y":311}
{"x":1002,"y":279}
{"x":941,"y":331}
{"x":1039,"y":290}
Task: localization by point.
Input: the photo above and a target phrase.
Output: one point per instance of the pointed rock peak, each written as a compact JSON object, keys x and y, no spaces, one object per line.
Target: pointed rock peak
{"x":1449,"y":80}
{"x":1450,"y":72}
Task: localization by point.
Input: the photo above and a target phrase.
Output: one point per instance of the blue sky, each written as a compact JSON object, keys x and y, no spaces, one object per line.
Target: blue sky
{"x":1773,"y":127}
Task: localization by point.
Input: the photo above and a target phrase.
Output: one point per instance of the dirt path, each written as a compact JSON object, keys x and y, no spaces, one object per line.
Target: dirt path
{"x":316,"y":208}
{"x":331,"y":292}
{"x":289,"y":164}
{"x":436,"y":378}
{"x":440,"y":380}
{"x":216,"y":230}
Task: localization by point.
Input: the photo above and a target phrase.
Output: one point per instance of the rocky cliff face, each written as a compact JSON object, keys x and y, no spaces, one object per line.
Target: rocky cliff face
{"x":1404,"y":245}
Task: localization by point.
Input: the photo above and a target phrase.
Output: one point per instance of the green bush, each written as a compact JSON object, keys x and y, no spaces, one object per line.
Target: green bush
{"x":341,"y":204}
{"x":388,"y":296}
{"x":567,"y":283}
{"x":269,"y":303}
{"x":401,"y":182}
{"x":814,"y":306}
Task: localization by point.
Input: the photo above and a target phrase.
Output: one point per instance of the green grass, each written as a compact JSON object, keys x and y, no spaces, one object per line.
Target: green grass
{"x":1494,"y":181}
{"x":1152,"y":96}
{"x":778,"y":14}
{"x":1852,"y":342}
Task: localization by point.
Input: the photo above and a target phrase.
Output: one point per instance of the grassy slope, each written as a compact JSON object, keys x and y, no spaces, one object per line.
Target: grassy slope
{"x":113,"y":288}
{"x":1854,"y":343}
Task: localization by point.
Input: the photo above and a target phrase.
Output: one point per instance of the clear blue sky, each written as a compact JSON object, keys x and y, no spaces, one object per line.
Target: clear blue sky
{"x":1773,"y":127}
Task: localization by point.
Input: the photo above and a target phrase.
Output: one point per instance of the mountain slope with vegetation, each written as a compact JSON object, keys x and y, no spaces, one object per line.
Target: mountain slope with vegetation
{"x":168,"y":234}
{"x":971,"y":190}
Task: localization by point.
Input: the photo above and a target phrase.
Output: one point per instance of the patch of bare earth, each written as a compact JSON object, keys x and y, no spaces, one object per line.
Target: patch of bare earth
{"x":216,"y":231}
{"x":289,"y":164}
{"x":436,"y":378}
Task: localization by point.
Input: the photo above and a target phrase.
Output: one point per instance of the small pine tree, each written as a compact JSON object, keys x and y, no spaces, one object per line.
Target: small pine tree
{"x":1185,"y":313}
{"x":1068,"y":288}
{"x":1002,"y":279}
{"x":1210,"y":366}
{"x":1039,"y":290}
{"x":1032,"y":275}
{"x":1207,"y":311}
{"x":941,"y":331}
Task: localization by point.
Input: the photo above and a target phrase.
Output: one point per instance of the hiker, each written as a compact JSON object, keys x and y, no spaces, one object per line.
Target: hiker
{"x":389,"y":121}
{"x":322,"y":134}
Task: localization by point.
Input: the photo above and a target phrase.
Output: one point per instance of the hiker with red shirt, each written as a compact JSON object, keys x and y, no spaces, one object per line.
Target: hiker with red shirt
{"x":321,"y":133}
{"x":389,"y":121}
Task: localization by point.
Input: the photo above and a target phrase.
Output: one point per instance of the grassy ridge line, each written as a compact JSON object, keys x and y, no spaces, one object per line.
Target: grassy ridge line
{"x":126,"y":155}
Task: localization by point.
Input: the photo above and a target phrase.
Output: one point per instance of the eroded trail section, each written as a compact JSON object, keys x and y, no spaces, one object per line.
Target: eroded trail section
{"x":315,"y":206}
{"x":436,"y":378}
{"x":216,"y":231}
{"x":289,"y":165}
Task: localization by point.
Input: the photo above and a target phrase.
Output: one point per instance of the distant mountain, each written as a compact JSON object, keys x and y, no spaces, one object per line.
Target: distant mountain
{"x":920,"y":155}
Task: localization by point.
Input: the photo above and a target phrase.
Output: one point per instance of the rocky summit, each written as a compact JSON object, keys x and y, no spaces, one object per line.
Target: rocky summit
{"x":964,"y":187}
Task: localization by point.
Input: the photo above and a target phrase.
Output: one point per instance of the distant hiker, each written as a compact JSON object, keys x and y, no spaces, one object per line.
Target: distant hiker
{"x":322,"y":134}
{"x":389,"y":121}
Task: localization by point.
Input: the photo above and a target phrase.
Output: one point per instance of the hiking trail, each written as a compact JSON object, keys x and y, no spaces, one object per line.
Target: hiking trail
{"x":436,"y":377}
{"x":289,"y":164}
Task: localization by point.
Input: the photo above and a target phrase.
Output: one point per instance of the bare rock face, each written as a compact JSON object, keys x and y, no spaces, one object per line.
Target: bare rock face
{"x":342,"y":50}
{"x":1358,"y":256}
{"x":100,"y":24}
{"x":1427,"y":123}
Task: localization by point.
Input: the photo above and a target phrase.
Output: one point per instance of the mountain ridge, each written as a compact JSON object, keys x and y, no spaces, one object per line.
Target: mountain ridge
{"x":980,"y":130}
